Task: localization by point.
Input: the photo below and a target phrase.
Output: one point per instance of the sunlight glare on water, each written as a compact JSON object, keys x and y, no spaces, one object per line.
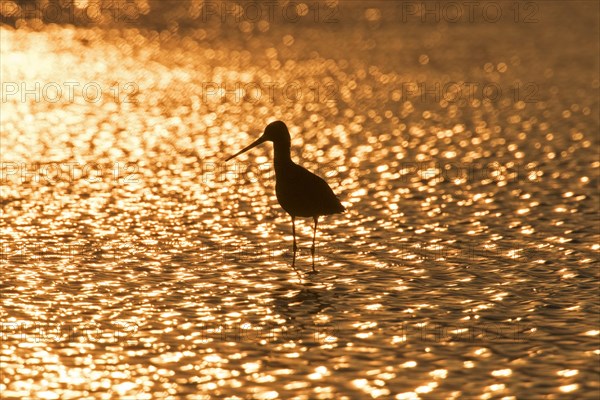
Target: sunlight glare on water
{"x":136,"y":263}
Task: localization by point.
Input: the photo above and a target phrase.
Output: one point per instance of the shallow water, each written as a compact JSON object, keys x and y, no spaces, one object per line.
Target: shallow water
{"x":137,"y":264}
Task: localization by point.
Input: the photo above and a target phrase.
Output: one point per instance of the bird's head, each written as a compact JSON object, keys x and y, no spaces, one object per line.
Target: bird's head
{"x":276,"y":132}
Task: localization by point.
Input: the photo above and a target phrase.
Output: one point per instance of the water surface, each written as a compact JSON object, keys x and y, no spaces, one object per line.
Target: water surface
{"x":136,"y":264}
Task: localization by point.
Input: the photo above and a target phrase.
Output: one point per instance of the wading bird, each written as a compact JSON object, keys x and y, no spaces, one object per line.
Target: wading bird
{"x":299,"y":192}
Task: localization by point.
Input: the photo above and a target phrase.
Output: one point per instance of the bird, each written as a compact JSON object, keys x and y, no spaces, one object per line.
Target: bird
{"x":299,"y":192}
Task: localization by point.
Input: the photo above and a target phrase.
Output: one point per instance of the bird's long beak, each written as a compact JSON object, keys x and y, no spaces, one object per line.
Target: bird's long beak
{"x":245,"y":149}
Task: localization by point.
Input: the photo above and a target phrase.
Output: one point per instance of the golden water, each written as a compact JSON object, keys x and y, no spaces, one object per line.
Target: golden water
{"x":137,"y":264}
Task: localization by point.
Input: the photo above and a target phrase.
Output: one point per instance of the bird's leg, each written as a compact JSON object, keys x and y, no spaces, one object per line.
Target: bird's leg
{"x":312,"y":249}
{"x":294,"y":248}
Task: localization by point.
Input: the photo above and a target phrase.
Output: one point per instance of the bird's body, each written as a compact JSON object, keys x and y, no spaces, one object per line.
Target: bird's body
{"x":299,"y":192}
{"x":302,"y":193}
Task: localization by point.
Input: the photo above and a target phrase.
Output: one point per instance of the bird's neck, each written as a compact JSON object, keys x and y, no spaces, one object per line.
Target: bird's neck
{"x":282,"y":153}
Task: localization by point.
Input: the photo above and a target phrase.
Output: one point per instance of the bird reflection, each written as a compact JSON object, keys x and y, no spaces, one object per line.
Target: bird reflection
{"x":301,"y":311}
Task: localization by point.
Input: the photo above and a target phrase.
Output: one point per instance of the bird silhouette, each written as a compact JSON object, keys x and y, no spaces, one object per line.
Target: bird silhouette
{"x":299,"y":192}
